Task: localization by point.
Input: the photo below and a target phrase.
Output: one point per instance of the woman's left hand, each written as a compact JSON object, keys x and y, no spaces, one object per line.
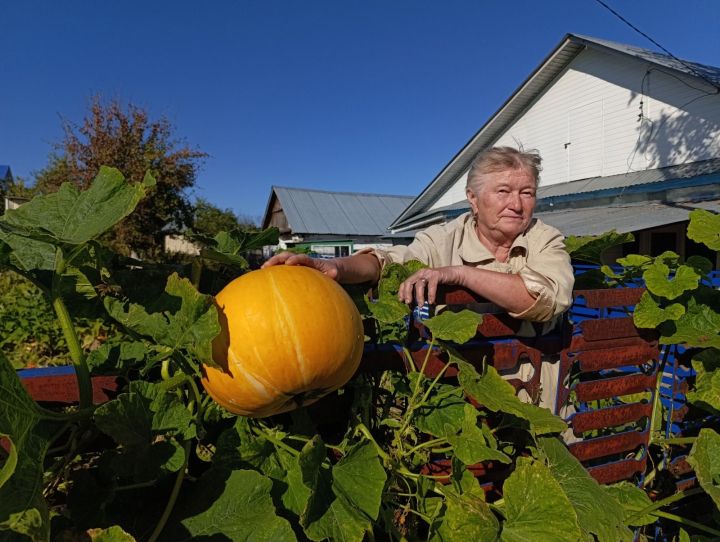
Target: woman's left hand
{"x":422,"y":285}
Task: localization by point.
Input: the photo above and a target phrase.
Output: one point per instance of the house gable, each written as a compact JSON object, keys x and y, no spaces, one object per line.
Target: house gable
{"x":593,"y":109}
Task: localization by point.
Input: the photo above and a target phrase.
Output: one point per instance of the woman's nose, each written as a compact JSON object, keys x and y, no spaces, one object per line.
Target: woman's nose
{"x":515,"y":202}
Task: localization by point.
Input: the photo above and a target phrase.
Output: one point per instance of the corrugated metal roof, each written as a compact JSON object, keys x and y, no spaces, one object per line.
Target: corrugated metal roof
{"x":622,"y":218}
{"x":5,"y":172}
{"x":692,"y":170}
{"x":568,"y":48}
{"x":339,"y":213}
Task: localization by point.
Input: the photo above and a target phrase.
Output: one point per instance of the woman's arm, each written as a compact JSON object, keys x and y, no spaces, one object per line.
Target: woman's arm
{"x":505,"y":290}
{"x":354,"y":269}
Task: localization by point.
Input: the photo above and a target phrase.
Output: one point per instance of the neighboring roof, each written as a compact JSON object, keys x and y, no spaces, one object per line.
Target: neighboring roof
{"x":339,"y":213}
{"x":622,"y":218}
{"x":5,"y":172}
{"x":550,"y":68}
{"x":697,"y":171}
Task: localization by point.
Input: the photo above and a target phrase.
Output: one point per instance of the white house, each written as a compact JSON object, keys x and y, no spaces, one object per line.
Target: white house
{"x":630,"y":140}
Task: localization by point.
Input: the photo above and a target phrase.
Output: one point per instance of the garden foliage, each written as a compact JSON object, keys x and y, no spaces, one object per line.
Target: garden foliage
{"x":162,"y":462}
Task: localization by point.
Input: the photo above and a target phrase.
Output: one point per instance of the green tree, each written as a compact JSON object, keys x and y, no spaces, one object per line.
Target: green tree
{"x":209,"y":219}
{"x":127,"y":139}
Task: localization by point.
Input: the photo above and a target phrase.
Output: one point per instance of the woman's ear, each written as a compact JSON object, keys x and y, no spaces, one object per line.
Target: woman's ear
{"x":472,"y":198}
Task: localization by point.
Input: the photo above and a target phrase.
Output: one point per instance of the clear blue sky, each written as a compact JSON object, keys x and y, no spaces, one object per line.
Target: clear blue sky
{"x":371,"y":96}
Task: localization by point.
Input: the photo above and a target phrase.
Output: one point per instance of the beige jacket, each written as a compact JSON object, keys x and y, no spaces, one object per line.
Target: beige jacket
{"x":538,"y":256}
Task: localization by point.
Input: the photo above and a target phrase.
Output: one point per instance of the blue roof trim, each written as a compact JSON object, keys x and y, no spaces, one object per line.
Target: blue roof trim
{"x":647,"y":188}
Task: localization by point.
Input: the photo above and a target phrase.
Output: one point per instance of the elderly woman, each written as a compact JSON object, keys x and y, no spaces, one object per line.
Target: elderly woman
{"x":496,"y":250}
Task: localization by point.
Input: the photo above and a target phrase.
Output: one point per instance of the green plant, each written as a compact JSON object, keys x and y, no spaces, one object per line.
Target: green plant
{"x":163,"y":461}
{"x":681,"y":302}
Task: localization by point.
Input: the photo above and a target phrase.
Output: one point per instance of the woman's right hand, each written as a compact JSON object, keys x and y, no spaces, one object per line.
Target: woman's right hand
{"x":327,"y":267}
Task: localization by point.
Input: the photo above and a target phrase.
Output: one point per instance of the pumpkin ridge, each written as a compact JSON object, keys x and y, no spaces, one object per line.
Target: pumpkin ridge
{"x":289,"y":326}
{"x":257,"y":384}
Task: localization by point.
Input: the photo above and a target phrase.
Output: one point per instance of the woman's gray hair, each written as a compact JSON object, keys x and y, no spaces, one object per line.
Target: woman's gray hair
{"x":497,"y":159}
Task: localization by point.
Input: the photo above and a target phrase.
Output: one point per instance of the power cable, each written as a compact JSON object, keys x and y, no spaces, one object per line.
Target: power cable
{"x":636,"y":29}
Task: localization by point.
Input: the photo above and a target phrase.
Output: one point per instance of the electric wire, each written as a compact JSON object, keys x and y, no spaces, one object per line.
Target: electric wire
{"x":636,"y":29}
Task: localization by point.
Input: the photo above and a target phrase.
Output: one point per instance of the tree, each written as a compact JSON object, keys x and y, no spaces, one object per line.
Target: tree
{"x":126,"y":138}
{"x":209,"y":219}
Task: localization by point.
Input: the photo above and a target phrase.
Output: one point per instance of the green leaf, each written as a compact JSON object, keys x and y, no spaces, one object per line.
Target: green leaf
{"x":182,"y":319}
{"x":388,"y":310}
{"x":144,"y":422}
{"x":471,"y":445}
{"x":495,"y":394}
{"x":536,"y":506}
{"x":458,"y":327}
{"x":635,"y":260}
{"x":598,"y":512}
{"x":648,"y":314}
{"x":8,"y":467}
{"x":443,"y":413}
{"x":227,"y":247}
{"x":23,"y":509}
{"x":657,"y":282}
{"x":698,"y":327}
{"x":344,"y":502}
{"x":590,"y":248}
{"x":702,"y":265}
{"x":706,"y":393}
{"x":633,"y":500}
{"x":72,"y":217}
{"x":467,"y":517}
{"x":230,"y":505}
{"x":112,"y":534}
{"x":704,"y":228}
{"x":705,"y":459}
{"x":117,"y":358}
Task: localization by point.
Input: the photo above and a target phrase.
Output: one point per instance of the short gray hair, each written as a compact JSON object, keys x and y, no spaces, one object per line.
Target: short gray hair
{"x":497,"y":159}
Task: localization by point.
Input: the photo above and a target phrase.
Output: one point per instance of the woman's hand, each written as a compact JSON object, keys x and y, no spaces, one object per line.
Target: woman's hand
{"x":327,"y":267}
{"x":422,"y":285}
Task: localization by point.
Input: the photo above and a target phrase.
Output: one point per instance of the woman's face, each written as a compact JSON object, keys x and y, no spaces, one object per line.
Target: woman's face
{"x":503,"y":203}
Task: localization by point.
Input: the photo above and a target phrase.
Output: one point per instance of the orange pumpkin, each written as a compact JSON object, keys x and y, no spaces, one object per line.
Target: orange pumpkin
{"x":289,"y":336}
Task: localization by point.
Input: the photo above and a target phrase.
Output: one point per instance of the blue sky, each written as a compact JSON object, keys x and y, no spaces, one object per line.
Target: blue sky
{"x":366,"y":96}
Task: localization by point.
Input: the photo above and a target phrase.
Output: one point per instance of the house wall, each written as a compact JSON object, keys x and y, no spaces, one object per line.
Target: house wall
{"x":608,"y":114}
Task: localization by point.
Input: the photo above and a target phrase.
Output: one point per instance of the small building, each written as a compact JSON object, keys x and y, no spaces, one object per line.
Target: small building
{"x":630,"y":140}
{"x":331,"y":224}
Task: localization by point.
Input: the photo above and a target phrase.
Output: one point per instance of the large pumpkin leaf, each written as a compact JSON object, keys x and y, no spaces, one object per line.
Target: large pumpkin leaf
{"x":227,"y":247}
{"x":536,"y":506}
{"x":657,"y":281}
{"x":495,"y":394}
{"x":698,"y":327}
{"x":471,"y":445}
{"x":443,"y":413}
{"x":590,"y":248}
{"x":633,"y":500}
{"x":706,"y":393}
{"x":345,"y":501}
{"x":704,"y":228}
{"x":72,"y":217}
{"x":388,"y":310}
{"x":599,"y":514}
{"x":182,"y":319}
{"x":458,"y":327}
{"x":648,"y":314}
{"x":111,"y":534}
{"x":23,"y":510}
{"x":467,"y":517}
{"x":705,"y":459}
{"x":143,"y":422}
{"x":230,"y":505}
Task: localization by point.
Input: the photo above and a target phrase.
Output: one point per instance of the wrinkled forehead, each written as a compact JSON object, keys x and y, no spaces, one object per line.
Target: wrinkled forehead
{"x":516,"y":177}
